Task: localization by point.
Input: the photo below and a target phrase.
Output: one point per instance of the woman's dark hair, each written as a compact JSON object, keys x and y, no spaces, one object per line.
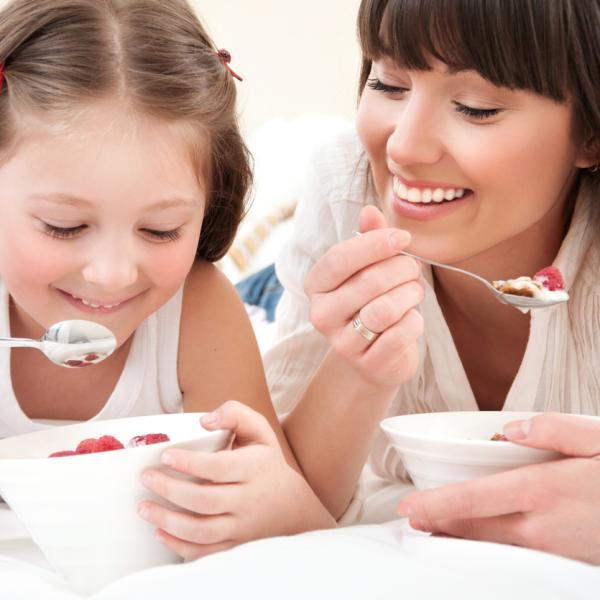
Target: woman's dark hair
{"x":155,"y":57}
{"x":550,"y":47}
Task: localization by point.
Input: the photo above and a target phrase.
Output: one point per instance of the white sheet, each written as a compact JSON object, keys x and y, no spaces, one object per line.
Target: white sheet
{"x":365,"y":562}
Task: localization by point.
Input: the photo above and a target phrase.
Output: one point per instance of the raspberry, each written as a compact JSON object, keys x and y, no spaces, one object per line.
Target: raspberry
{"x":146,"y":440}
{"x":86,"y":446}
{"x":550,"y":278}
{"x":102,"y":444}
{"x":62,"y":453}
{"x":107,"y":442}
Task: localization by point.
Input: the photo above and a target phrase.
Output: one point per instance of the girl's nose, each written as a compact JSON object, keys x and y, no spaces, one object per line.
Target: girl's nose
{"x":417,"y":136}
{"x":111,"y":270}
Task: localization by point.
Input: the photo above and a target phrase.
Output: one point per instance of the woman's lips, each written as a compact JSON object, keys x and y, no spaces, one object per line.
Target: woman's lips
{"x":426,"y":211}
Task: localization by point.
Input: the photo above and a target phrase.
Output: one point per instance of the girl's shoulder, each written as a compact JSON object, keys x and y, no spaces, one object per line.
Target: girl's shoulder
{"x":215,"y":340}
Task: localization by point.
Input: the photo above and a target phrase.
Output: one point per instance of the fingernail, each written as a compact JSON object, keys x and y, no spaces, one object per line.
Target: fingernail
{"x":404,"y":509}
{"x":416,"y":524}
{"x":147,"y":479}
{"x":168,"y":459}
{"x":399,"y":239}
{"x":210,"y":419}
{"x":143,"y":511}
{"x":517,"y":430}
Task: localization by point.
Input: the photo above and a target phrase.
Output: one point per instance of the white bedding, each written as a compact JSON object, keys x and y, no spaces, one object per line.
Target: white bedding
{"x":355,"y":563}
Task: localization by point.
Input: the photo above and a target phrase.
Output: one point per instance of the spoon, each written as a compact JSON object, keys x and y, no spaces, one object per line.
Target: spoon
{"x":74,"y":343}
{"x":523,"y":303}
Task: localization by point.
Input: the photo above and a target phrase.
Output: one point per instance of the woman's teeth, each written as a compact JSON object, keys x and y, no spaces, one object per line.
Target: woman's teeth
{"x":426,"y":195}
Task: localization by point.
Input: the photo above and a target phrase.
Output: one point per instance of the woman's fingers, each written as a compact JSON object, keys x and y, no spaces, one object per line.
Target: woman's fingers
{"x":347,"y":258}
{"x":373,"y":284}
{"x":571,"y":435}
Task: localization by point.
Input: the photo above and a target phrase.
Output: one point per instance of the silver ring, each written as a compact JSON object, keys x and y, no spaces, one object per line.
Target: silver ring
{"x":364,"y":331}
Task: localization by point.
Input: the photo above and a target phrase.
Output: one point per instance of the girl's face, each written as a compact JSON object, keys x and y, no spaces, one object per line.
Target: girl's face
{"x":99,"y":223}
{"x":501,"y":161}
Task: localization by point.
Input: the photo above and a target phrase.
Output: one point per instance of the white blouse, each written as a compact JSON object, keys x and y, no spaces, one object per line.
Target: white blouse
{"x":560,"y":370}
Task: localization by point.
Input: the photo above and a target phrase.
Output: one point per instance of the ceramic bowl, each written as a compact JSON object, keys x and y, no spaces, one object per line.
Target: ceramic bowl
{"x":82,"y":510}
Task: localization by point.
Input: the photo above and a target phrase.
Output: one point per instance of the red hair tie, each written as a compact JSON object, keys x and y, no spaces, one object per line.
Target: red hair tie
{"x":1,"y":76}
{"x":225,"y":57}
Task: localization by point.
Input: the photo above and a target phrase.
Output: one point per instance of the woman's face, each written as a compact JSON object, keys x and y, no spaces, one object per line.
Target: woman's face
{"x":101,"y":222}
{"x":464,"y":165}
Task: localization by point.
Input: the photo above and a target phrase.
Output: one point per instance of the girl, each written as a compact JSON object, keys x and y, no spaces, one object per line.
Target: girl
{"x":478,"y":139}
{"x":122,"y":178}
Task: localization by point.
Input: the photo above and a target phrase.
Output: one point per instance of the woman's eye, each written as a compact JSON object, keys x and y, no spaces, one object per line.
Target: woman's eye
{"x":62,"y":233}
{"x":164,"y":236}
{"x":378,"y":85}
{"x":476,"y":113}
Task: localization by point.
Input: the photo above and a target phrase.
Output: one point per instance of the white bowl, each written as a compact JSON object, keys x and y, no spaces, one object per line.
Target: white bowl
{"x":446,"y":447}
{"x":82,"y":510}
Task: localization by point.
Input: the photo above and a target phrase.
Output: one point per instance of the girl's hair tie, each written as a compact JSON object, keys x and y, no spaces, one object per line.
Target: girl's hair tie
{"x":1,"y":76}
{"x":225,"y":57}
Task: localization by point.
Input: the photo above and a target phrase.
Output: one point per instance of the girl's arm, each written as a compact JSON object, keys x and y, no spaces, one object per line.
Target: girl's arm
{"x":255,"y":488}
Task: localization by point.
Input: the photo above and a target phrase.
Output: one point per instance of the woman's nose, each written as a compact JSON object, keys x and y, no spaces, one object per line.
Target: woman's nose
{"x":417,"y":135}
{"x":111,"y":269}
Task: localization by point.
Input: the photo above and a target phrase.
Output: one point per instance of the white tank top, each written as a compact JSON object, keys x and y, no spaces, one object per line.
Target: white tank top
{"x":147,"y":385}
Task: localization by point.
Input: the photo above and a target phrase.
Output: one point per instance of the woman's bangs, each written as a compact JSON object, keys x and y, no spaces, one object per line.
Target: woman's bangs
{"x":505,"y":41}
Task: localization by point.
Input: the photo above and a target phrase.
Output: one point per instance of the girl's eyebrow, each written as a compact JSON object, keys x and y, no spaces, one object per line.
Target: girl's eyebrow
{"x":165,"y":203}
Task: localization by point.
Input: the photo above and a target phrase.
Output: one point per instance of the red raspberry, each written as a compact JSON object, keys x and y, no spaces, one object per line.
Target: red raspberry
{"x":102,"y":444}
{"x":86,"y":446}
{"x":146,"y":440}
{"x":62,"y":453}
{"x":550,"y":278}
{"x":107,"y":442}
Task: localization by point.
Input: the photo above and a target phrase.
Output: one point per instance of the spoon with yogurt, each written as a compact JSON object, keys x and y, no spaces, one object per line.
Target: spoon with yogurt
{"x":546,"y":288}
{"x":74,"y":343}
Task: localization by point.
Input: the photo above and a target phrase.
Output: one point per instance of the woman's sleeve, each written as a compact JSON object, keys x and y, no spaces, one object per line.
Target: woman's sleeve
{"x":298,"y":348}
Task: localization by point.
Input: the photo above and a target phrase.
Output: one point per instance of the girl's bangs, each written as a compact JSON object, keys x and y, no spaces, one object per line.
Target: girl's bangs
{"x":511,"y":43}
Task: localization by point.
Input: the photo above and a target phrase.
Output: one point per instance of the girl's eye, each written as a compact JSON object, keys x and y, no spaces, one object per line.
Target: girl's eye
{"x":62,"y":233}
{"x":164,"y":236}
{"x":476,"y":113}
{"x":378,"y":85}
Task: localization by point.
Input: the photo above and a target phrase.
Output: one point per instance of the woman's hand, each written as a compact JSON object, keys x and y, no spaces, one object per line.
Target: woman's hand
{"x":553,"y":506}
{"x":235,"y":495}
{"x":366,"y":277}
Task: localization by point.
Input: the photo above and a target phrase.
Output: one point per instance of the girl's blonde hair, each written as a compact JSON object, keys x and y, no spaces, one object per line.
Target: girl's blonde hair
{"x":152,"y":55}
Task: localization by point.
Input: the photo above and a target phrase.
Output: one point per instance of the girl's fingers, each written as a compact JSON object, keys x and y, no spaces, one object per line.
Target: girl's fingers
{"x":248,"y":425}
{"x":226,"y":466}
{"x":203,"y":498}
{"x":198,"y":529}
{"x":335,"y":309}
{"x":188,"y":550}
{"x":351,"y":256}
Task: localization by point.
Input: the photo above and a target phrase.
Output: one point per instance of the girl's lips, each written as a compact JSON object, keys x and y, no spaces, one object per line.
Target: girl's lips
{"x":430,"y":211}
{"x":78,"y":303}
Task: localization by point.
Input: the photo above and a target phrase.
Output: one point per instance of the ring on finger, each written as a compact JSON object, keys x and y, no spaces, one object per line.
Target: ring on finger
{"x":363,"y":330}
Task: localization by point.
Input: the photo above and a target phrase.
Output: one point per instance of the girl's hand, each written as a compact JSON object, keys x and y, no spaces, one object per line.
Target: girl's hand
{"x":366,"y":277}
{"x":235,"y":495}
{"x":554,"y":506}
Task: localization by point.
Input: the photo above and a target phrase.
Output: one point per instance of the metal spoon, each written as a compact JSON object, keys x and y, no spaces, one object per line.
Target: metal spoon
{"x":75,"y":343}
{"x":523,"y":303}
